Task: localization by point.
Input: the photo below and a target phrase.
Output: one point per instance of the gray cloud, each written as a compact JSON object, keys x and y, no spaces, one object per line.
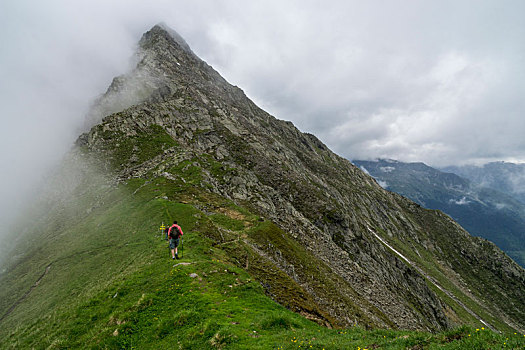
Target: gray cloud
{"x":440,"y":82}
{"x":462,"y":201}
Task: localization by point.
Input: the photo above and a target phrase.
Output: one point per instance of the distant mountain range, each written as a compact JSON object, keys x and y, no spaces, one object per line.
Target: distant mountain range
{"x":505,"y":177}
{"x":486,"y":212}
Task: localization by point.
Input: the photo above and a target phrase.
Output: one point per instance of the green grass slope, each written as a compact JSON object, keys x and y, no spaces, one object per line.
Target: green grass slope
{"x":99,"y":276}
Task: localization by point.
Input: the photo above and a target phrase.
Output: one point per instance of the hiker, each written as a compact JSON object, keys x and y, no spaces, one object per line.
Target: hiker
{"x":174,"y":233}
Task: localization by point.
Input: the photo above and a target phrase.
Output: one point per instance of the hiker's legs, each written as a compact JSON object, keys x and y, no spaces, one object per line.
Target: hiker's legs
{"x":173,"y":247}
{"x":176,"y":248}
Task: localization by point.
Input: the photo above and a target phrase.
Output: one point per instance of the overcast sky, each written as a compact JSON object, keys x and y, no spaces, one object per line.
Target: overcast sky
{"x":441,"y":82}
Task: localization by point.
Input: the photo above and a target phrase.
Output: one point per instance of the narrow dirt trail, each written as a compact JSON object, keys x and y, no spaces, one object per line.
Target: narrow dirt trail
{"x":26,"y":294}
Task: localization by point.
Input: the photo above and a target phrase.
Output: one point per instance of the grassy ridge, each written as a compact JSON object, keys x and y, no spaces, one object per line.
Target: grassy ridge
{"x":112,"y":285}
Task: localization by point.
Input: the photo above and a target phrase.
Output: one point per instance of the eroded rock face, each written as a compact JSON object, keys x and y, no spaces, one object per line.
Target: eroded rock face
{"x":188,"y":112}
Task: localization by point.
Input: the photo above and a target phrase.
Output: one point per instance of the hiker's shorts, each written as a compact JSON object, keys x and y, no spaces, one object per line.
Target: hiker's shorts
{"x":174,"y":242}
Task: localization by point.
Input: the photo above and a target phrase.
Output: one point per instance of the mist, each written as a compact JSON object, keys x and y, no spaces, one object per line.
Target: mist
{"x":51,"y":70}
{"x":440,"y":83}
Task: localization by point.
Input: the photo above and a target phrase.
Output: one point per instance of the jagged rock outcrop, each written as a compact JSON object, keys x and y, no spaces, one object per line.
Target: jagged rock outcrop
{"x":325,"y":210}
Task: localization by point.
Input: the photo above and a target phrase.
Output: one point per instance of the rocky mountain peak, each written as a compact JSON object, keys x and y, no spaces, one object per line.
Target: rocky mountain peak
{"x":162,"y":33}
{"x":163,"y":59}
{"x":165,"y":65}
{"x":164,"y":53}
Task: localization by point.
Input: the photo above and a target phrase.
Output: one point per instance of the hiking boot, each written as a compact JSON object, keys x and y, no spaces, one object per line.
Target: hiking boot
{"x":173,"y":257}
{"x":176,"y":256}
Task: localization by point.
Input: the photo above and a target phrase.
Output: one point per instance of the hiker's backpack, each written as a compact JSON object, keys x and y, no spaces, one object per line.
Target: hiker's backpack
{"x":177,"y":233}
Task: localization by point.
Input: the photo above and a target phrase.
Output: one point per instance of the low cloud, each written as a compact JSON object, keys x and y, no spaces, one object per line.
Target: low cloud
{"x":462,"y":201}
{"x":364,"y":170}
{"x":517,"y":180}
{"x":382,"y":183}
{"x":387,"y":169}
{"x":500,"y":206}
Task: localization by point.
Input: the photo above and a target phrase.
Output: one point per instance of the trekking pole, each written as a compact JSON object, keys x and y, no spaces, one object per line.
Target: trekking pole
{"x":182,"y":247}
